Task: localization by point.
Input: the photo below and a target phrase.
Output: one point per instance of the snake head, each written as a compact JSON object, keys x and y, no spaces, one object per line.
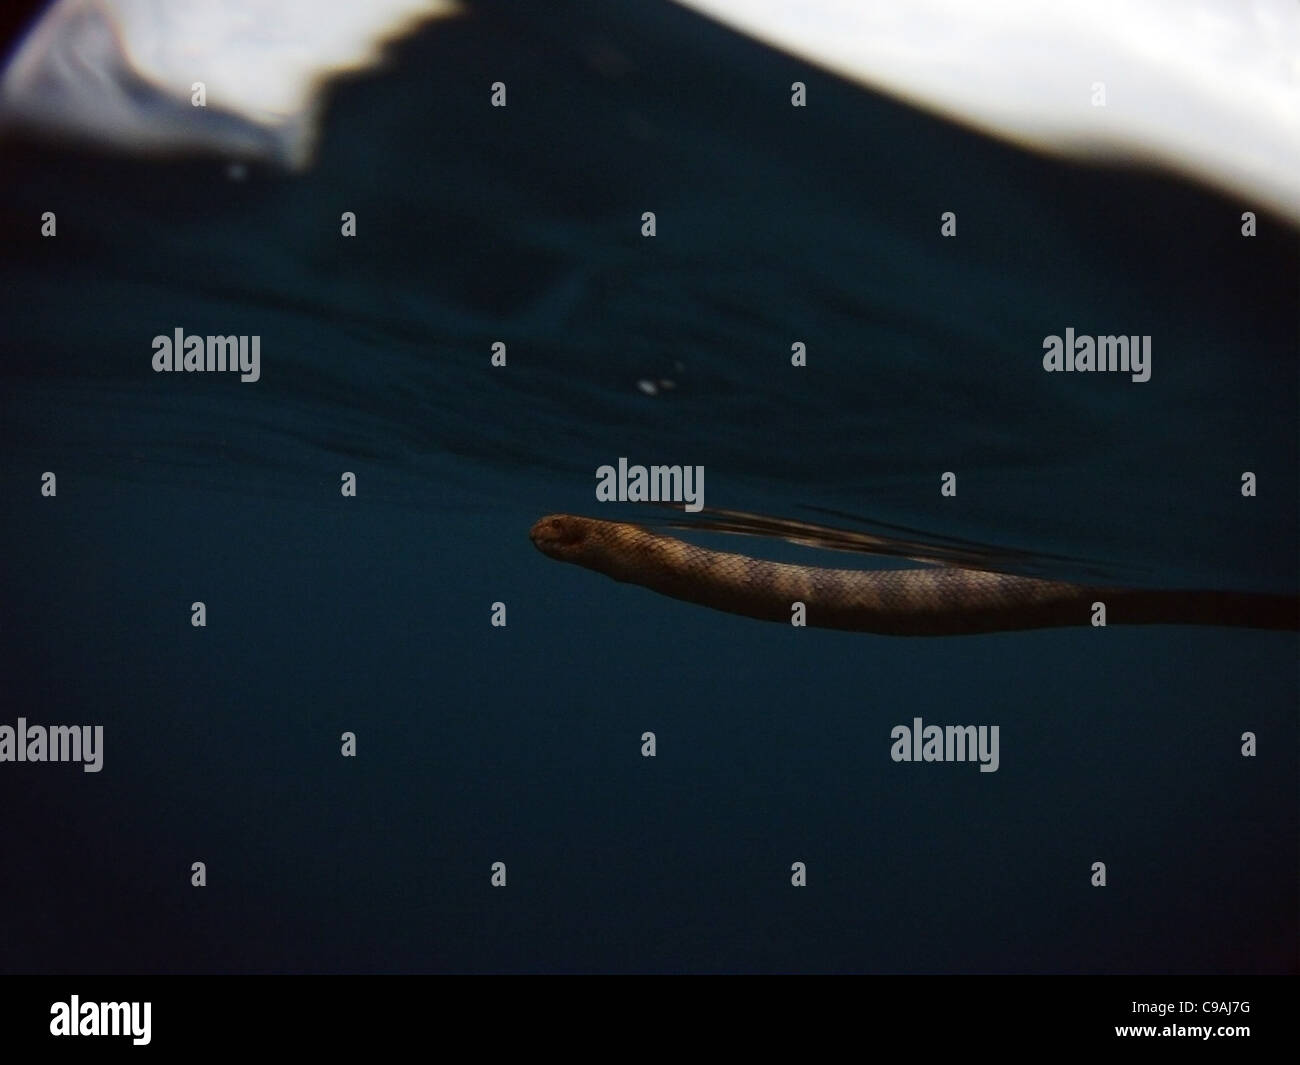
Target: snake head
{"x":558,"y":535}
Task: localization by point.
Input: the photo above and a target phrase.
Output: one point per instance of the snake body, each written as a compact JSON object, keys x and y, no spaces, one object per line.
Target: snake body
{"x":942,"y":601}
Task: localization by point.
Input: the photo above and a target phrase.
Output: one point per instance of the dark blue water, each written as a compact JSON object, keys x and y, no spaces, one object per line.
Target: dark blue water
{"x":522,"y":745}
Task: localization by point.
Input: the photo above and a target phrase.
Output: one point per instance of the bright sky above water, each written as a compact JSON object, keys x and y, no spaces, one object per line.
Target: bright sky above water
{"x":1208,"y":87}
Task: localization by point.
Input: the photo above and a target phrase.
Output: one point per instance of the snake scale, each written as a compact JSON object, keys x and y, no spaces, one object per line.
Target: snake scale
{"x":941,"y":601}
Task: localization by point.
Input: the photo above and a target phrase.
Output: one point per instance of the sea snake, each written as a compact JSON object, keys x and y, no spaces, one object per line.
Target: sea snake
{"x":942,"y":601}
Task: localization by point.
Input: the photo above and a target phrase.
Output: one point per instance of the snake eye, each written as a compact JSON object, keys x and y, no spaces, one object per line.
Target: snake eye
{"x":567,"y":532}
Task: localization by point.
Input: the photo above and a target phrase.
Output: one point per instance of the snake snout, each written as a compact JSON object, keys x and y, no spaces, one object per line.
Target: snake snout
{"x":555,"y":532}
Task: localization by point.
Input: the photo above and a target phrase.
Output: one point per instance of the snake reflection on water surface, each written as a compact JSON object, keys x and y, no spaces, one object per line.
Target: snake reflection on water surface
{"x":943,"y":601}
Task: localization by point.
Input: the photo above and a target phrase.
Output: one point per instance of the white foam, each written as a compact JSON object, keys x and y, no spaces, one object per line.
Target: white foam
{"x":121,"y":72}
